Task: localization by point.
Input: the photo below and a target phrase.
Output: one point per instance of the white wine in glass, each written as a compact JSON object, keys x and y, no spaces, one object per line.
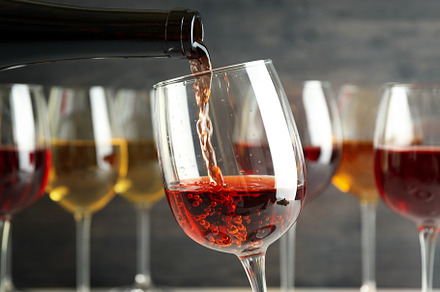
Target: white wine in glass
{"x":355,"y":176}
{"x":88,"y":157}
{"x":142,"y":186}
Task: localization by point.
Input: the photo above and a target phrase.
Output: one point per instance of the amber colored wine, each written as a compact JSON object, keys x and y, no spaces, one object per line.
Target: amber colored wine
{"x":244,"y":214}
{"x":143,"y":181}
{"x":355,"y":173}
{"x":408,"y":180}
{"x":84,"y":173}
{"x":23,"y":176}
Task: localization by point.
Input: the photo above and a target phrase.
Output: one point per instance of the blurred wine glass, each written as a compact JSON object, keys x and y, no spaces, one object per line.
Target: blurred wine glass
{"x":316,"y":116}
{"x":88,"y":156}
{"x":142,"y":186}
{"x":231,"y":187}
{"x":358,"y":110}
{"x":24,"y":159}
{"x":407,"y":161}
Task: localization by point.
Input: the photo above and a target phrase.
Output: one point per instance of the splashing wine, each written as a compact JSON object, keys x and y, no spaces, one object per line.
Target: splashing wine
{"x":202,"y":90}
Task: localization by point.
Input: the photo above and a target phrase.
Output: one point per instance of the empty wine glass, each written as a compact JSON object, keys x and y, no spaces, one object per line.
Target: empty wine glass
{"x":407,"y":161}
{"x":24,"y":157}
{"x":355,"y":176}
{"x":231,"y":187}
{"x":317,"y":119}
{"x":88,"y":156}
{"x":142,"y":186}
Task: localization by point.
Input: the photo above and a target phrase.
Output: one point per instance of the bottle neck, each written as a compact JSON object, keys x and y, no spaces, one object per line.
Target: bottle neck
{"x":34,"y":32}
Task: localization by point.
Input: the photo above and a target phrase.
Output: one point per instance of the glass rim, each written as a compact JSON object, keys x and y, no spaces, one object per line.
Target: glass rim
{"x":79,"y":87}
{"x":30,"y":85}
{"x":411,"y":85}
{"x":228,"y":68}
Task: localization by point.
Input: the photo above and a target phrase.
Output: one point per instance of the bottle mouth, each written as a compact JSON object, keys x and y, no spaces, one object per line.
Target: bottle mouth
{"x":197,"y":30}
{"x":196,"y":37}
{"x":184,"y":28}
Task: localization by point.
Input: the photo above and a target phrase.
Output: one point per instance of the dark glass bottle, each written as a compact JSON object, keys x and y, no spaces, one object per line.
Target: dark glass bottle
{"x":34,"y":32}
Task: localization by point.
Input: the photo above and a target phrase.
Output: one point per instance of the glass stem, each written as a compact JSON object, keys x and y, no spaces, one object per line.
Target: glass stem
{"x":143,"y":276}
{"x":9,"y":284}
{"x":368,"y":246}
{"x":4,"y":254}
{"x":427,"y":236}
{"x":287,"y":260}
{"x":254,"y":266}
{"x":83,"y":222}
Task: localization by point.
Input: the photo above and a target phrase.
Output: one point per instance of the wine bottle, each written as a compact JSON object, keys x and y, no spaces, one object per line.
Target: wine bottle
{"x":35,"y":32}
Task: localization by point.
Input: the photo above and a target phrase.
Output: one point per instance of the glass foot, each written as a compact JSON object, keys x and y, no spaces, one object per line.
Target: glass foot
{"x":10,"y":287}
{"x":137,"y":288}
{"x":368,"y":287}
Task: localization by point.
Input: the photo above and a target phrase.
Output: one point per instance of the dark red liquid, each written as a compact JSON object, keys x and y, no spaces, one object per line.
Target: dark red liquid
{"x":23,"y":176}
{"x":409,"y":182}
{"x":312,"y":153}
{"x":245,"y":214}
{"x":321,"y":164}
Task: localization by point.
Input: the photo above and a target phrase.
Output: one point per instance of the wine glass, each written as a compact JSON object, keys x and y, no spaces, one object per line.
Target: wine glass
{"x":358,"y":110}
{"x":88,"y":156}
{"x":317,"y":119}
{"x":407,"y":161}
{"x":231,"y":187}
{"x":24,"y":157}
{"x":142,"y":186}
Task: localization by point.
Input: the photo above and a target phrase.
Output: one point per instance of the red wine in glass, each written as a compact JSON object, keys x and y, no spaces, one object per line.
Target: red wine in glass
{"x":237,"y":210}
{"x":25,"y":159}
{"x":23,"y":176}
{"x":409,"y":182}
{"x":316,"y":114}
{"x":234,"y":217}
{"x":407,"y":162}
{"x":321,"y":164}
